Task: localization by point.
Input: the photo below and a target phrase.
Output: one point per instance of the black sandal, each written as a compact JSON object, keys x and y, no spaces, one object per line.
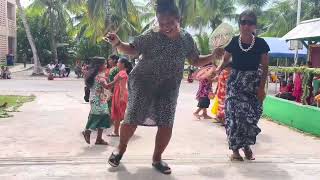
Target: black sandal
{"x":162,"y":167}
{"x":114,"y":159}
{"x":101,"y":142}
{"x":86,"y":137}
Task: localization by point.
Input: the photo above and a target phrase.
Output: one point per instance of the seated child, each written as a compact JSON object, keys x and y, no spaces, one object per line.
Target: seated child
{"x":286,"y":91}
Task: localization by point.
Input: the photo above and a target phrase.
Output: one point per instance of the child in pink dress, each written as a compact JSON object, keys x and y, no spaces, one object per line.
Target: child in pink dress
{"x":204,"y":91}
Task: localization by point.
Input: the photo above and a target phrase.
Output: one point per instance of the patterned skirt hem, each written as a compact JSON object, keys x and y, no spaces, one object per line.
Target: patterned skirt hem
{"x":98,"y":121}
{"x":90,"y":129}
{"x":147,"y":125}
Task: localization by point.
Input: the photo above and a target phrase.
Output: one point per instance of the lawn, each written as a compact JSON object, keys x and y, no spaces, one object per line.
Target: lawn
{"x":12,"y":103}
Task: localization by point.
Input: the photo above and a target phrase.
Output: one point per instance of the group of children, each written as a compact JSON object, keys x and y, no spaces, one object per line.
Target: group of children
{"x":286,"y":90}
{"x":292,"y":89}
{"x":80,"y":69}
{"x":57,"y":70}
{"x":5,"y":73}
{"x":205,"y":93}
{"x":107,"y":82}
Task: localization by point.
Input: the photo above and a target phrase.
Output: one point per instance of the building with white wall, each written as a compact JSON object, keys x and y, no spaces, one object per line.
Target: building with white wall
{"x":8,"y":29}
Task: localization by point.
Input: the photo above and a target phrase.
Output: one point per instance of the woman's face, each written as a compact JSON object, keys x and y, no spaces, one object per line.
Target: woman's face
{"x":110,"y":61}
{"x":247,"y":25}
{"x":120,"y":66}
{"x":169,"y":25}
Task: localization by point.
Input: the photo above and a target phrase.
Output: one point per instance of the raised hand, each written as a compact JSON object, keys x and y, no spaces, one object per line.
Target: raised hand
{"x":218,"y":53}
{"x":112,"y":38}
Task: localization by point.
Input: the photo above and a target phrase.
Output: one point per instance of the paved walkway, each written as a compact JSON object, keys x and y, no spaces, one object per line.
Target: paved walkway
{"x":19,"y":67}
{"x":26,"y":75}
{"x":43,"y":141}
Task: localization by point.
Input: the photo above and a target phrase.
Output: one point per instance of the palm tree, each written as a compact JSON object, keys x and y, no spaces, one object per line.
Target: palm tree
{"x":56,"y":17}
{"x":100,"y":16}
{"x":223,"y":10}
{"x":255,"y":5}
{"x":312,"y":9}
{"x":188,"y":10}
{"x":37,"y":70}
{"x":279,"y":19}
{"x":203,"y":13}
{"x":203,"y":43}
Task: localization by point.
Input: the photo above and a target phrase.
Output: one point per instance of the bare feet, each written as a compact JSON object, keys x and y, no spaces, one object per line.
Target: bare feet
{"x":214,"y":120}
{"x":248,"y":153}
{"x":197,"y":116}
{"x":236,"y":156}
{"x":207,"y":117}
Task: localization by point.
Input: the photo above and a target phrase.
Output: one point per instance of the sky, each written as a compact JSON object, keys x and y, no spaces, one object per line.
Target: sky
{"x":25,"y":3}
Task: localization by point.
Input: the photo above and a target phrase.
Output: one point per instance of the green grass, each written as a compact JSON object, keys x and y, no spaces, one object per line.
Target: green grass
{"x":13,"y":103}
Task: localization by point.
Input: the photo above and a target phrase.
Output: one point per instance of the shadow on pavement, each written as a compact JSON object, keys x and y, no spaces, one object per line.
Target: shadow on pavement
{"x":262,"y":171}
{"x":141,"y":173}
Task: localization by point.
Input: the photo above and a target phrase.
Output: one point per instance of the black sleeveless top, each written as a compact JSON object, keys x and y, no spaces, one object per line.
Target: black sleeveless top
{"x":247,"y":61}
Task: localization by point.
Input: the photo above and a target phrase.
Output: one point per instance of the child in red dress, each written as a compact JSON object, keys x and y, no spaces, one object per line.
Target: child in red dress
{"x":120,"y":94}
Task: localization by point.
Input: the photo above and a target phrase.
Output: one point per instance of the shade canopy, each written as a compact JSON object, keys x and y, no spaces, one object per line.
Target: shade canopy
{"x":279,"y":48}
{"x":306,"y":30}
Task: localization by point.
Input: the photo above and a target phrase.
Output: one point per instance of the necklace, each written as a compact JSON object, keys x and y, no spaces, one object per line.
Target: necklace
{"x":251,"y":45}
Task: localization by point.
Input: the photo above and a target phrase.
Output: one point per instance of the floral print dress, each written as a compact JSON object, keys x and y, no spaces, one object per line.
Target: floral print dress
{"x":155,"y":80}
{"x":99,"y":116}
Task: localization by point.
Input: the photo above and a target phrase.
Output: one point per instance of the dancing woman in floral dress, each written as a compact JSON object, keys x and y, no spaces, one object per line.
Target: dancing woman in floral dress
{"x":154,"y":82}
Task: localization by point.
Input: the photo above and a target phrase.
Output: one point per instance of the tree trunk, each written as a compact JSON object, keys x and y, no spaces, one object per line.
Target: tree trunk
{"x":53,"y":37}
{"x":37,"y":69}
{"x":108,"y":22}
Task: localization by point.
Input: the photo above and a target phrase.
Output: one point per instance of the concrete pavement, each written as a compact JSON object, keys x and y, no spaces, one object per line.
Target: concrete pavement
{"x":43,"y":141}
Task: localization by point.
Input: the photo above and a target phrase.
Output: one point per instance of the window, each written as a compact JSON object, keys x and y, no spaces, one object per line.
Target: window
{"x":11,"y":11}
{"x":11,"y":45}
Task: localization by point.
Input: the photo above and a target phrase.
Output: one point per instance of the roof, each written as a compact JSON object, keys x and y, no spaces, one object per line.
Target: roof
{"x":279,"y":48}
{"x":307,"y":30}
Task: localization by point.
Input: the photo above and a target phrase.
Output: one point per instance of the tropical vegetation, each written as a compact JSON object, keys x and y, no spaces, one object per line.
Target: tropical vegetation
{"x":73,"y":29}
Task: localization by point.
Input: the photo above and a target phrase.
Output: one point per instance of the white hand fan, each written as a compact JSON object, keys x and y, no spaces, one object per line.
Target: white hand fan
{"x":222,"y":36}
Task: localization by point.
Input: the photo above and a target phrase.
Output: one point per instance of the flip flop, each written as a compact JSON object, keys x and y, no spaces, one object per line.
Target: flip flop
{"x":86,"y":137}
{"x":162,"y":167}
{"x":101,"y":142}
{"x":114,"y":159}
{"x":113,"y":135}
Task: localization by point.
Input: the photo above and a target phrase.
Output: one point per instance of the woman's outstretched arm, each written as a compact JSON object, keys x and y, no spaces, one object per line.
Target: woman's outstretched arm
{"x":123,"y":47}
{"x":202,"y":60}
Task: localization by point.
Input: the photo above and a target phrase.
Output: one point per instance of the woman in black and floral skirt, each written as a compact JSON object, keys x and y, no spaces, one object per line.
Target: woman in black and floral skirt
{"x":245,"y":88}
